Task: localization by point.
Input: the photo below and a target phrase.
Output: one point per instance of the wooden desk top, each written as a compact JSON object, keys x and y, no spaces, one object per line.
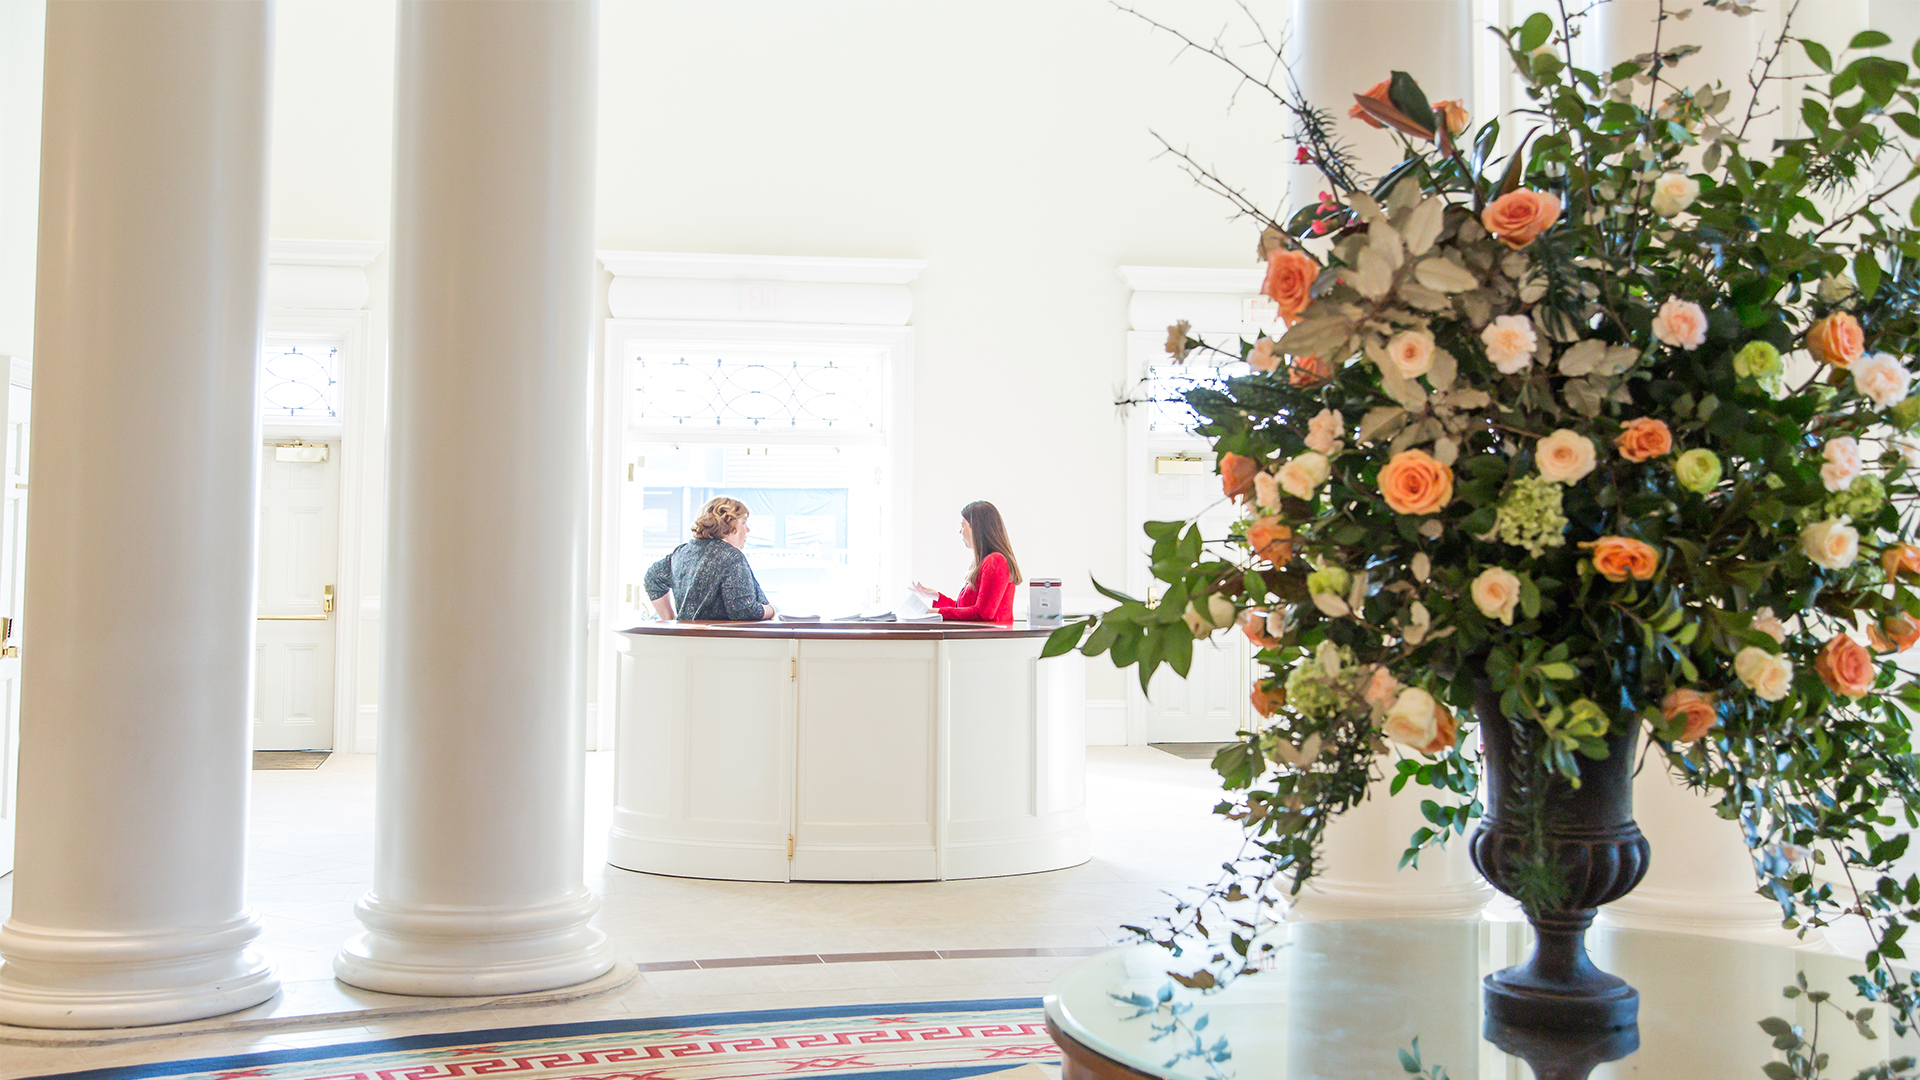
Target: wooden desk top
{"x":840,"y":631}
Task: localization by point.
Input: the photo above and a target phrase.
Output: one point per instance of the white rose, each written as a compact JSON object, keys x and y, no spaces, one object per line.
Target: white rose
{"x":1220,"y":613}
{"x":1303,"y":476}
{"x":1266,"y":491}
{"x":1842,"y":464}
{"x":1767,"y":623}
{"x":1510,"y":342}
{"x":1564,"y":456}
{"x":1767,"y":675}
{"x":1323,"y":432}
{"x":1495,"y":592}
{"x":1673,"y":193}
{"x":1881,"y":378}
{"x":1411,"y":352}
{"x":1414,"y":720}
{"x":1833,"y":544}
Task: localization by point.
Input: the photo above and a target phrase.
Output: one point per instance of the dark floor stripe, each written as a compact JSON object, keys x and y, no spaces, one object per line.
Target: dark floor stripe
{"x":712,"y":963}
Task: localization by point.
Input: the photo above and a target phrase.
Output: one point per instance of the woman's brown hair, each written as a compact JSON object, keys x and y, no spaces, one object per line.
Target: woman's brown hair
{"x":719,"y":518}
{"x":989,"y":537}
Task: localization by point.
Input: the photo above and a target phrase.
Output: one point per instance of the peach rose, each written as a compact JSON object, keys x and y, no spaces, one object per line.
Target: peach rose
{"x":1697,"y":709}
{"x":1379,"y":94}
{"x":1414,"y":483}
{"x":1254,"y":625}
{"x":1832,"y":544}
{"x":1901,"y":559}
{"x":1680,"y":323}
{"x":1644,"y":438}
{"x":1324,"y":431}
{"x":1411,"y":352}
{"x":1519,"y":216}
{"x":1767,"y":675}
{"x":1266,"y":491}
{"x":1267,"y":698}
{"x":1836,"y":339}
{"x":1263,"y":358}
{"x":1895,"y":633}
{"x":1308,"y":371}
{"x":1842,"y":462}
{"x":1620,"y":557}
{"x":1271,"y":540}
{"x":1453,"y":114}
{"x":1382,"y":688}
{"x":1845,"y":666}
{"x":1765,"y":621}
{"x":1418,"y":721}
{"x":1236,"y":475}
{"x":1564,"y":456}
{"x":1495,"y":592}
{"x":1289,"y":275}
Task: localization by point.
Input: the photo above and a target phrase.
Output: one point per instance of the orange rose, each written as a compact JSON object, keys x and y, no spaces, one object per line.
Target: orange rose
{"x":1643,"y":438}
{"x":1413,"y":483}
{"x":1267,"y":698}
{"x":1620,"y":557}
{"x":1900,"y":559}
{"x":1271,"y":540}
{"x":1254,"y":625}
{"x":1236,"y":475}
{"x":1836,"y":339}
{"x":1519,"y":216}
{"x":1453,"y":114}
{"x":1895,"y":633}
{"x":1697,"y":708}
{"x":1308,"y":371}
{"x":1379,"y":94}
{"x":1289,"y":275}
{"x":1844,"y":665}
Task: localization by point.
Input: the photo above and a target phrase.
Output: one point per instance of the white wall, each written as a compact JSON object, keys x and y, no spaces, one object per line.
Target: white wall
{"x":22,"y":34}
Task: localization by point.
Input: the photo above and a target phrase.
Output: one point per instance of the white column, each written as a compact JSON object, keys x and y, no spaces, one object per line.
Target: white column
{"x":128,"y":905}
{"x":1341,"y":52}
{"x":478,"y":847}
{"x":1701,"y":879}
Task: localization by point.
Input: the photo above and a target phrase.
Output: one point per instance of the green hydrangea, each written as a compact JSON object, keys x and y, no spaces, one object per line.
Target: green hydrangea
{"x":1316,"y":695}
{"x":1862,"y":498}
{"x":1530,"y":516}
{"x":1758,"y":360}
{"x":1698,"y":470}
{"x":1905,"y":414}
{"x":1329,"y":579}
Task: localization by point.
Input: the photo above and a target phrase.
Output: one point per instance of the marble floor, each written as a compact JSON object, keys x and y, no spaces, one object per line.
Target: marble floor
{"x":311,"y":858}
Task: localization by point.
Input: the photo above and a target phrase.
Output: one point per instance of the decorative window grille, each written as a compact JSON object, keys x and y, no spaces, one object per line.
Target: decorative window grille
{"x":1166,"y":386}
{"x":840,"y":393}
{"x":300,"y":382}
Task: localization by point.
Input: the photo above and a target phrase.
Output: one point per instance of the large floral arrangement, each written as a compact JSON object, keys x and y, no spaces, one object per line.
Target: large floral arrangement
{"x":1612,"y":422}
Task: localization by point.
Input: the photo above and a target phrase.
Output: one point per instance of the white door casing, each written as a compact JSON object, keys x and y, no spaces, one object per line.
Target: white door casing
{"x":13,"y":554}
{"x":294,"y":643}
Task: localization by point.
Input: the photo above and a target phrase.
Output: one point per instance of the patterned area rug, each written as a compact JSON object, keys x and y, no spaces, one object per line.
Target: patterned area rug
{"x":934,"y":1040}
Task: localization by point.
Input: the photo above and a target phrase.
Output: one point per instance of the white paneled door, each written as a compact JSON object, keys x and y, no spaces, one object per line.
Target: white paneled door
{"x":293,"y":645}
{"x":13,"y":552}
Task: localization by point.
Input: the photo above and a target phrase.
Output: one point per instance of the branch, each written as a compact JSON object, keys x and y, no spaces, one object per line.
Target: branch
{"x":1244,"y":206}
{"x":1756,"y":81}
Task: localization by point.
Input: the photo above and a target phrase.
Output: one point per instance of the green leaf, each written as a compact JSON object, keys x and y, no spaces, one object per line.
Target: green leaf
{"x":1535,"y":31}
{"x":1775,"y":1026}
{"x":1869,"y":39}
{"x":1778,"y":1070}
{"x":1407,"y":96}
{"x":1818,"y":53}
{"x":1064,"y":639}
{"x":1867,"y":270}
{"x":1179,"y":653}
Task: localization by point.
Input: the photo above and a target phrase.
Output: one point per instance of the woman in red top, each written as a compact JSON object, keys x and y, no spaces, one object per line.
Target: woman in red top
{"x":988,"y":596}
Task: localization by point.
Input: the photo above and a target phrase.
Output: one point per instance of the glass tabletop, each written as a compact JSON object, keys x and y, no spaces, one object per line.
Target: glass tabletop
{"x":1342,"y":1000}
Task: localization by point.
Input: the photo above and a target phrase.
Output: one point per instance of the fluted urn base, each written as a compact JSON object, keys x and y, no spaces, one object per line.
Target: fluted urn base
{"x":1597,"y":855}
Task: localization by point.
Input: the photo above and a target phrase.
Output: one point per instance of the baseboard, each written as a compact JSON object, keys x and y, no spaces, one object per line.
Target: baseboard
{"x":366,"y":729}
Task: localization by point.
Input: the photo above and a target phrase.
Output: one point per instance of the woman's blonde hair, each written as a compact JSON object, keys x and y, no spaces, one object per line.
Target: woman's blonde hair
{"x":719,"y":518}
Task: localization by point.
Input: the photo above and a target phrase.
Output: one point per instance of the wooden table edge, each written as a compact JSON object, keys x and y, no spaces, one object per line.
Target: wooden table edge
{"x":1077,"y":1062}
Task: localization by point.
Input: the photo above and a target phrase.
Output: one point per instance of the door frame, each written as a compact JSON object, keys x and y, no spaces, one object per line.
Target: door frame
{"x":355,"y":430}
{"x":19,"y":373}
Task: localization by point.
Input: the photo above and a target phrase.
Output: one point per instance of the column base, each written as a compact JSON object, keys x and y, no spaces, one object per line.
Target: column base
{"x":1743,"y":917}
{"x":1329,"y":901}
{"x":57,"y":978}
{"x":432,"y":950}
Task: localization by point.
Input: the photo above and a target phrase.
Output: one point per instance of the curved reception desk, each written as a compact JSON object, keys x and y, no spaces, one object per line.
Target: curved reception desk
{"x":847,"y":752}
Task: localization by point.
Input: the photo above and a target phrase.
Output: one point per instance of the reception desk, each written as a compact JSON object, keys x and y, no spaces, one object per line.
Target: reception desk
{"x":847,"y":752}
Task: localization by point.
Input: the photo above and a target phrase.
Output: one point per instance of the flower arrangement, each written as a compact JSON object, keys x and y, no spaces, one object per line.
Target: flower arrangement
{"x":1612,"y":425}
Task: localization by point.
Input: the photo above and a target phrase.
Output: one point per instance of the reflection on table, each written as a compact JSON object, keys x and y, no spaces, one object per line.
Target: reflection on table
{"x":1342,"y":999}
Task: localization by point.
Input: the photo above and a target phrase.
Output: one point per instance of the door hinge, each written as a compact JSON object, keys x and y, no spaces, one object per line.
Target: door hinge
{"x":326,"y":600}
{"x":629,"y":471}
{"x":629,"y":594}
{"x":789,"y":847}
{"x":793,"y":669}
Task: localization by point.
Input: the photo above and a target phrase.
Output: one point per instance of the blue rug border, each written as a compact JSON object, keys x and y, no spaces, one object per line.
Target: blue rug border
{"x":528,"y":1033}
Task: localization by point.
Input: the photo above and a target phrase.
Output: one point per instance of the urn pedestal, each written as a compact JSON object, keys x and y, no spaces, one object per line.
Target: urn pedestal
{"x":1594,"y":854}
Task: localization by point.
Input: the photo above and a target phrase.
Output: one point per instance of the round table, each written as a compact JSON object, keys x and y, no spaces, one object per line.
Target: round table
{"x":1341,"y":1000}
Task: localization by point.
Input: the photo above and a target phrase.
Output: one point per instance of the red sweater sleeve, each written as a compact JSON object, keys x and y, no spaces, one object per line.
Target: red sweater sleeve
{"x":989,"y":599}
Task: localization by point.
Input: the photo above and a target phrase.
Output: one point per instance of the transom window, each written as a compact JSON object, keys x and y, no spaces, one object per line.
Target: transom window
{"x":757,"y":391}
{"x":1166,"y":385}
{"x":300,"y":382}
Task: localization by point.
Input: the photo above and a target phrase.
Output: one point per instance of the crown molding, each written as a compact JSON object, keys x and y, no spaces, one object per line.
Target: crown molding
{"x":707,"y":267}
{"x":1192,"y":279}
{"x":350,"y":253}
